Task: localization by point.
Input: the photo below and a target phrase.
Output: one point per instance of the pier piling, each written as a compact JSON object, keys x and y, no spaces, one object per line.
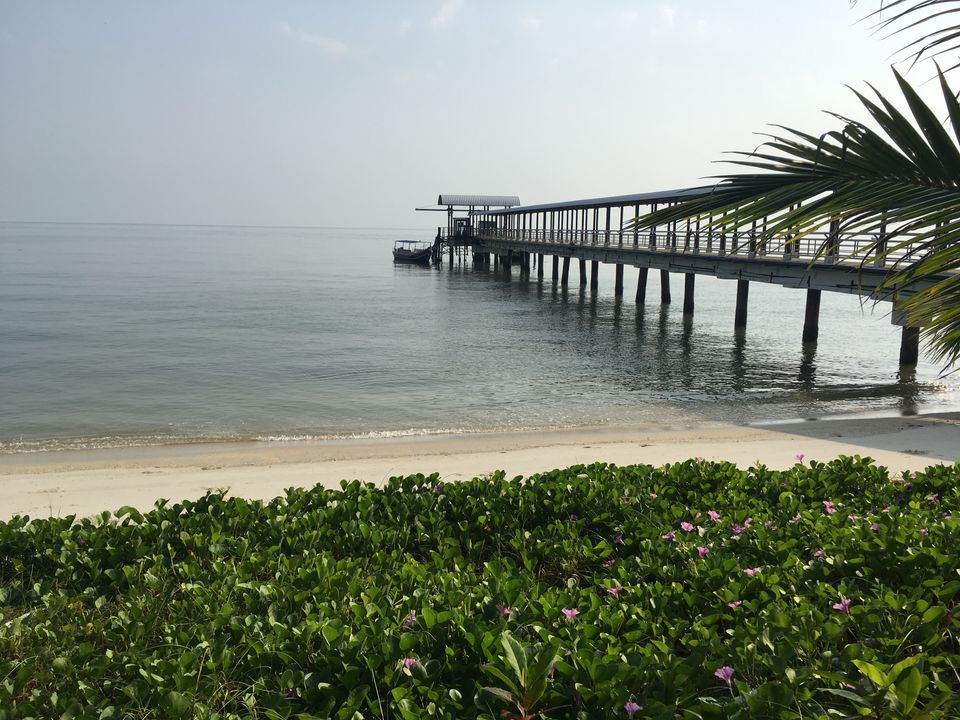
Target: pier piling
{"x":540,"y":266}
{"x":618,"y":283}
{"x":664,"y":287}
{"x":688,"y":283}
{"x":566,"y":272}
{"x":743,"y":292}
{"x":583,"y":272}
{"x":909,"y":346}
{"x":594,"y":270}
{"x":811,"y":318}
{"x":642,"y":286}
{"x":556,"y":268}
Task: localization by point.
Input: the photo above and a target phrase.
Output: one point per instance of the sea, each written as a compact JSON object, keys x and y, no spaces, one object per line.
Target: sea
{"x":129,"y":335}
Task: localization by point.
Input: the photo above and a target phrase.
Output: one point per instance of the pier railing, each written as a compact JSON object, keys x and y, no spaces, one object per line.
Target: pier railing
{"x":819,"y":247}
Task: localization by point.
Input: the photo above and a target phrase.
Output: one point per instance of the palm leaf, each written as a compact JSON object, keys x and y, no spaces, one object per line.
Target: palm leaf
{"x":899,"y":184}
{"x":934,"y":23}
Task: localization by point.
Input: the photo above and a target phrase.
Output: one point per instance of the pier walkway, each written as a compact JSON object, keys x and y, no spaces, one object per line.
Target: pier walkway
{"x":598,"y":230}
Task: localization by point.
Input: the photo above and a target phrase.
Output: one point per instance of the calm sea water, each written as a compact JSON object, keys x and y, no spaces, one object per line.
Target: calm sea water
{"x":118,"y":335}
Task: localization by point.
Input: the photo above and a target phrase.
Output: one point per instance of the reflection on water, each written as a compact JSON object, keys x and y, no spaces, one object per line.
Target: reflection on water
{"x":703,"y":364}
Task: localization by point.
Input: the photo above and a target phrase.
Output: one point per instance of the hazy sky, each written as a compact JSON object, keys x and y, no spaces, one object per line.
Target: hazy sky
{"x":353,"y":113}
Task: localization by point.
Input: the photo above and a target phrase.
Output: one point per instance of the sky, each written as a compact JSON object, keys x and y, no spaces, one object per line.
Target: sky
{"x":351,"y":114}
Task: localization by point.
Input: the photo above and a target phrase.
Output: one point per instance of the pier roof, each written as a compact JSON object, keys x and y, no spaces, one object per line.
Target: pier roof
{"x":478,"y":200}
{"x":614,"y":200}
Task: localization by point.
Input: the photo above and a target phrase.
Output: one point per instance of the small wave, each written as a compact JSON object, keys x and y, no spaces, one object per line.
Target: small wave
{"x":419,"y":432}
{"x":112,"y":442}
{"x":12,"y":447}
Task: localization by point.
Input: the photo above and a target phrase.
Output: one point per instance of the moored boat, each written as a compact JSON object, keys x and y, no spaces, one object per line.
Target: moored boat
{"x":412,"y":251}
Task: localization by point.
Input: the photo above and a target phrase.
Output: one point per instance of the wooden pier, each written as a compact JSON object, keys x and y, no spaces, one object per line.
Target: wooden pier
{"x":592,"y":231}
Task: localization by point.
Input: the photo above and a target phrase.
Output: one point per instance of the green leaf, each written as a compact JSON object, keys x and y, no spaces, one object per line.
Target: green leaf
{"x":515,"y":657}
{"x":871,"y":671}
{"x":501,"y":693}
{"x":908,"y":689}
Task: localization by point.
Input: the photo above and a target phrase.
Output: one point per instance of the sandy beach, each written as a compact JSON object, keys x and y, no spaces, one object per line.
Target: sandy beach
{"x":87,"y":482}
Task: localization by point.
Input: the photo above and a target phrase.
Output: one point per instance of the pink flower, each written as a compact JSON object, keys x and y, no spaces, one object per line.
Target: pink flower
{"x":669,"y":536}
{"x":842,"y":606}
{"x":795,"y":519}
{"x":748,"y":522}
{"x":411,"y":618}
{"x":819,"y":553}
{"x":735,"y":604}
{"x":631,"y":708}
{"x":697,"y":516}
{"x":701,"y":551}
{"x":504,"y":610}
{"x":875,"y":527}
{"x":607,"y":563}
{"x":653,"y":496}
{"x":713,"y":515}
{"x":751,"y":571}
{"x":724,"y":673}
{"x":410,"y":662}
{"x":618,"y":540}
{"x":768,"y":524}
{"x":570,"y":613}
{"x":438,"y":487}
{"x":615,"y":591}
{"x":934,"y":497}
{"x":924,"y":532}
{"x":686,"y":527}
{"x":886,"y":509}
{"x":799,"y":457}
{"x":828,"y":507}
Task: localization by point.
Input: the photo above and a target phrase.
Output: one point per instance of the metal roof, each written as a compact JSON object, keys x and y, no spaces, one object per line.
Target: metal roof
{"x":616,"y":200}
{"x":479,"y":200}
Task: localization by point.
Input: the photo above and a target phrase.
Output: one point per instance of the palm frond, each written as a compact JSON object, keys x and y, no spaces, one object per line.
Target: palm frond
{"x":934,"y":23}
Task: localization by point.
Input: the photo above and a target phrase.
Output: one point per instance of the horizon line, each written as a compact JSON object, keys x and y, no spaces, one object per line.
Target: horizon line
{"x":209,"y":225}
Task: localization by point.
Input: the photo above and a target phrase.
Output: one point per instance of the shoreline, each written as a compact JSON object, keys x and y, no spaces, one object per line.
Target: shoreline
{"x":84,"y":482}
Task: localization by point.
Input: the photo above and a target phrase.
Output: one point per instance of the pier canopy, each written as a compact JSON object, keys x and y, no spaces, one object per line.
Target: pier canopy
{"x":478,"y":201}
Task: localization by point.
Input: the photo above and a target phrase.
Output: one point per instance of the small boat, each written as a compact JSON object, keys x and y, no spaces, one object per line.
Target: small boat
{"x":412,"y":251}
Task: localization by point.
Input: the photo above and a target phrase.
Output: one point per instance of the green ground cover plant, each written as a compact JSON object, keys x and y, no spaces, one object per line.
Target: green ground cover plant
{"x":695,"y":590}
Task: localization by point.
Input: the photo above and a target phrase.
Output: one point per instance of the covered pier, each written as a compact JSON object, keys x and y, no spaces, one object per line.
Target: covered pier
{"x":598,"y":230}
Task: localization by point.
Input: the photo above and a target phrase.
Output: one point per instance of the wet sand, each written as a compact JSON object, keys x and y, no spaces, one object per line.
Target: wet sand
{"x":86,"y":482}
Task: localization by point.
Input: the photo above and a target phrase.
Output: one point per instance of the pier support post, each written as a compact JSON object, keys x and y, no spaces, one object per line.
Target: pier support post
{"x":909,"y":346}
{"x":688,"y":282}
{"x":594,"y":270}
{"x":496,"y":260}
{"x":566,"y":272}
{"x":811,"y":318}
{"x":540,"y":266}
{"x":508,"y":259}
{"x":583,"y":272}
{"x":618,"y":283}
{"x":664,"y":287}
{"x":451,"y":254}
{"x":556,"y":268}
{"x":743,"y":292}
{"x":642,"y":286}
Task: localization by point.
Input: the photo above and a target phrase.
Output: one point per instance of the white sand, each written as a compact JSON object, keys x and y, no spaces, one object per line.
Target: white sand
{"x":86,"y":482}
